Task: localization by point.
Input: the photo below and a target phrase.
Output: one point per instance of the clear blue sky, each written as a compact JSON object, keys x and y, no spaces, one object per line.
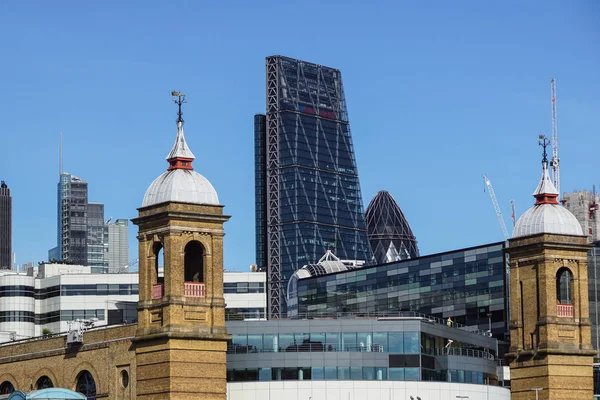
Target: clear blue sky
{"x":438,"y":93}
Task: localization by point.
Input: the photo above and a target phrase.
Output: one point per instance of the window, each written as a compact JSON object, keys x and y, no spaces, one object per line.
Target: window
{"x":6,"y":388}
{"x":44,"y":383}
{"x":124,"y":379}
{"x":564,"y":286}
{"x":86,"y":384}
{"x":193,"y":262}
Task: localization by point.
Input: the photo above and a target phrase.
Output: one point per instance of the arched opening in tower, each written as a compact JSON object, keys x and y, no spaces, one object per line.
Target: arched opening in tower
{"x":194,"y":262}
{"x":159,"y":263}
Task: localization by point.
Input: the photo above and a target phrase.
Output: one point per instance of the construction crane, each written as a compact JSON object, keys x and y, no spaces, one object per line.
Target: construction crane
{"x":554,"y":163}
{"x":513,"y":216}
{"x":490,"y":189}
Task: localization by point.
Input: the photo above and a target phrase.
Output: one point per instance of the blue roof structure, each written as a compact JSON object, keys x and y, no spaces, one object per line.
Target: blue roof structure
{"x":47,"y":394}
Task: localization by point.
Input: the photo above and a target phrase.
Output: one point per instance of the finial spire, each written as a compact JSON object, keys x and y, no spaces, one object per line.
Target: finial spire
{"x":546,"y":192}
{"x":179,"y":99}
{"x":181,"y":156}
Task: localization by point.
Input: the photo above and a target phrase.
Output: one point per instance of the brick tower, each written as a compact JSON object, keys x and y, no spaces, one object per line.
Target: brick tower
{"x":181,"y":340}
{"x":550,"y":347}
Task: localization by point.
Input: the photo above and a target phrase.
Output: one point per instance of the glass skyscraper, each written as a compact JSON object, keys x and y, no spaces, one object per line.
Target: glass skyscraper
{"x":72,"y":230}
{"x":96,"y":235}
{"x":308,"y":197}
{"x":118,"y":245}
{"x":389,"y":233}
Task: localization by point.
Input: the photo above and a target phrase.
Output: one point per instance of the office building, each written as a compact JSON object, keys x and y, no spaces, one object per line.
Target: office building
{"x":5,"y":227}
{"x":118,"y":245}
{"x":584,"y":206}
{"x":389,"y":233}
{"x":468,"y":286}
{"x":49,"y":296}
{"x":72,"y":232}
{"x":245,"y":295}
{"x":359,"y":358}
{"x":95,"y":239}
{"x":307,"y":188}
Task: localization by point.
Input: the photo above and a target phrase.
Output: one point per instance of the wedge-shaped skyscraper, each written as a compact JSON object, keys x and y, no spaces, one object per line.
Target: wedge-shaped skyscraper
{"x":308,"y":197}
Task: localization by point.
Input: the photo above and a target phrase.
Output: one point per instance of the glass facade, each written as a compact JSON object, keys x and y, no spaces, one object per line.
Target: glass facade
{"x":313,"y":201}
{"x":95,"y":239}
{"x":72,"y":232}
{"x":410,"y":350}
{"x":594,"y":292}
{"x":390,"y":235}
{"x":468,"y":286}
{"x":260,"y":190}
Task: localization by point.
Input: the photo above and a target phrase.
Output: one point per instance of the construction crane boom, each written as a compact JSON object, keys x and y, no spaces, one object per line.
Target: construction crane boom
{"x":513,"y":216}
{"x":490,"y":189}
{"x":554,"y":163}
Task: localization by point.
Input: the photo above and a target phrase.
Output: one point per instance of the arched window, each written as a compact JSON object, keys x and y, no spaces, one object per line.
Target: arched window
{"x":159,"y":263}
{"x":6,"y":388}
{"x":564,"y":286}
{"x":86,"y":384}
{"x":193,"y":264}
{"x":44,"y":383}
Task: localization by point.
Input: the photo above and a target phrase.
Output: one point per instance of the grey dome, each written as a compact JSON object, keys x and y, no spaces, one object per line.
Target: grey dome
{"x":181,"y":185}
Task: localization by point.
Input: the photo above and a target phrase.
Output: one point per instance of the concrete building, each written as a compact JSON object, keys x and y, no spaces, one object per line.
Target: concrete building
{"x":5,"y":227}
{"x":550,"y":344}
{"x":584,"y":206}
{"x":118,"y":245}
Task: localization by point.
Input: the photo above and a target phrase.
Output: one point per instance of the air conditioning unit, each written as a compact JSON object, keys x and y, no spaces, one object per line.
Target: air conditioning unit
{"x":74,"y":337}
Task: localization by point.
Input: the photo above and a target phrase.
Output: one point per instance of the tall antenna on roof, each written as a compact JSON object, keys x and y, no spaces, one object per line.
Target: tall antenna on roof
{"x":60,"y":156}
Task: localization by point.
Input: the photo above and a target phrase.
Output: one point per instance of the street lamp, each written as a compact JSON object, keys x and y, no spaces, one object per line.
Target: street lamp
{"x":536,"y":392}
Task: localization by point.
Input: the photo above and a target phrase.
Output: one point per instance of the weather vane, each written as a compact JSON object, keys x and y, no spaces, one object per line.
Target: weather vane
{"x":179,"y":99}
{"x":544,"y":142}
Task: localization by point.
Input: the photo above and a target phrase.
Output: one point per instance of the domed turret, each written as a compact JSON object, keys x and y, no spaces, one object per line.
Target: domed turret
{"x":546,"y":216}
{"x":180,"y":183}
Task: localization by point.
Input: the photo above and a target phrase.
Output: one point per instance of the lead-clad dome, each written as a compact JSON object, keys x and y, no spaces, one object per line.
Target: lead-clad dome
{"x":180,"y":183}
{"x":184,"y":186}
{"x":547,"y":216}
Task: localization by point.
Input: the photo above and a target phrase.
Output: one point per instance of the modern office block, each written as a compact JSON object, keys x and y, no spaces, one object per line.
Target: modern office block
{"x":118,"y":245}
{"x":5,"y":227}
{"x":95,"y":238}
{"x":72,"y":232}
{"x":308,"y":194}
{"x":584,"y":206}
{"x":245,"y":295}
{"x":389,"y":233}
{"x":468,"y":286}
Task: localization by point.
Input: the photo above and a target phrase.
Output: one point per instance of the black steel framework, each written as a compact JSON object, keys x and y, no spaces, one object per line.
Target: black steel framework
{"x":313,"y":201}
{"x":5,"y":226}
{"x":389,"y":233}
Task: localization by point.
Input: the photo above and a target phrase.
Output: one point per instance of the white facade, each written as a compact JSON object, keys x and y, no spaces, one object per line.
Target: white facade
{"x":118,"y":245}
{"x":363,"y":390}
{"x":245,"y":293}
{"x":51,"y":295}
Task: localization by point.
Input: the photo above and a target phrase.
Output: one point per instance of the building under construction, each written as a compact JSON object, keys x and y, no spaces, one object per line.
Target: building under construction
{"x":584,"y":205}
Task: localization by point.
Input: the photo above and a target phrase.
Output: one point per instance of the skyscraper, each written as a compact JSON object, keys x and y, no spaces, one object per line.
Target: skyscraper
{"x":5,"y":226}
{"x":118,"y":245}
{"x":72,"y":231}
{"x":95,"y":238}
{"x":389,"y":233}
{"x":307,"y":190}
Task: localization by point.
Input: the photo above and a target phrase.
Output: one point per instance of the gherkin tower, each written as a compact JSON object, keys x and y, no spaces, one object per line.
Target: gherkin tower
{"x":389,"y":233}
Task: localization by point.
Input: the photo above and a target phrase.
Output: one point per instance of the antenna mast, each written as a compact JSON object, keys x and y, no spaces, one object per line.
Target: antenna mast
{"x":554,"y":163}
{"x":488,"y":184}
{"x":60,"y":156}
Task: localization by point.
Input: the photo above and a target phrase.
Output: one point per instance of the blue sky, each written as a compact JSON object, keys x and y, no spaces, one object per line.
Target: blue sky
{"x":438,"y":93}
